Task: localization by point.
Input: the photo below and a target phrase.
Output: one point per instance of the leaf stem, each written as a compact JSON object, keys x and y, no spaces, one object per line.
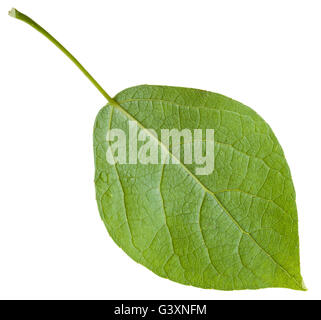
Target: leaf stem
{"x":18,"y":15}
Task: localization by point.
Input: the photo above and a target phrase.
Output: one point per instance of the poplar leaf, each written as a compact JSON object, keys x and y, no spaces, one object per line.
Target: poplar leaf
{"x":234,"y":227}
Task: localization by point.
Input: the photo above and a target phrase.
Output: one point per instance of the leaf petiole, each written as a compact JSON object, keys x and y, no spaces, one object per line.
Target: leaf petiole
{"x":18,"y":15}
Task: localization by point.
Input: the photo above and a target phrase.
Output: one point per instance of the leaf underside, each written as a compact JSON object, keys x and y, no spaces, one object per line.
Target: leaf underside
{"x":236,"y":228}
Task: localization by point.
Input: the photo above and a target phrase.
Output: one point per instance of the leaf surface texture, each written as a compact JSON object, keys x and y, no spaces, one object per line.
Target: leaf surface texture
{"x":236,"y":228}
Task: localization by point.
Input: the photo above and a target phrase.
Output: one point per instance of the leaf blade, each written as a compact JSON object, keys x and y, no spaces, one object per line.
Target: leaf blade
{"x":175,"y":241}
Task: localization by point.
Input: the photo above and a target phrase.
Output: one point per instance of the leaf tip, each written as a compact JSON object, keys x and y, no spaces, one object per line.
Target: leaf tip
{"x":13,"y":13}
{"x":304,"y":288}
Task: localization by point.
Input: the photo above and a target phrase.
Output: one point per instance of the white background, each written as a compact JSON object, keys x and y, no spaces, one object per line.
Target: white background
{"x":266,"y":54}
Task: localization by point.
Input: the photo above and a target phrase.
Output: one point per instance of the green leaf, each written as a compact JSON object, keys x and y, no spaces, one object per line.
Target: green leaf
{"x":236,"y":228}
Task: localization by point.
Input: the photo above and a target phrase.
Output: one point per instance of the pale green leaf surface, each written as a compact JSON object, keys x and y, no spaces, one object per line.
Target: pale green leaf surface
{"x":236,"y":228}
